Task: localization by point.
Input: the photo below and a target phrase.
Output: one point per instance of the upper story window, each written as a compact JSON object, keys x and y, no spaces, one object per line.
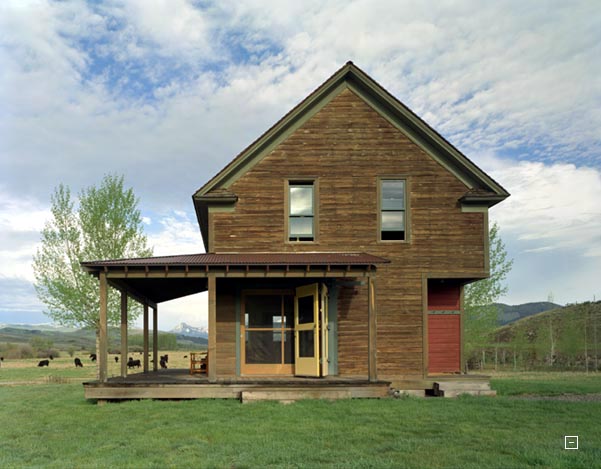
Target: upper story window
{"x":301,"y":211}
{"x":393,"y":210}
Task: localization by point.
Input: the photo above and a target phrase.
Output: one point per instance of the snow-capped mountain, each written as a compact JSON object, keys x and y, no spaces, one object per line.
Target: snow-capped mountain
{"x":190,"y":331}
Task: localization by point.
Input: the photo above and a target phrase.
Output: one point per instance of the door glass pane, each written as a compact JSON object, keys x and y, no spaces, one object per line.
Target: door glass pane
{"x":393,"y":195}
{"x":263,"y":311}
{"x":393,"y":221}
{"x":305,"y":310}
{"x":306,"y":344}
{"x":301,"y":227}
{"x":289,"y":347}
{"x":301,"y":200}
{"x":263,"y":347}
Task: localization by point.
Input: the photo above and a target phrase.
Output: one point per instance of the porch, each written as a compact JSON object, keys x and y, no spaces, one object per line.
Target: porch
{"x":180,"y":384}
{"x":268,"y":314}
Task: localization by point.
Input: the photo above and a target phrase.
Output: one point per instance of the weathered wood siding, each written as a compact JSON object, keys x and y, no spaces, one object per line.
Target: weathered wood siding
{"x":226,"y":329}
{"x":347,"y":146}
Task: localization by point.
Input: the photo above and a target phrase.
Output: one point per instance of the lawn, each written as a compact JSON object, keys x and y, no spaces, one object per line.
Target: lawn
{"x":547,"y":383}
{"x":54,"y":426}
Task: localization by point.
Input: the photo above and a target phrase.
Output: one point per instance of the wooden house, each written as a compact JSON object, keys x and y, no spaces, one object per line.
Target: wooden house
{"x":337,"y":247}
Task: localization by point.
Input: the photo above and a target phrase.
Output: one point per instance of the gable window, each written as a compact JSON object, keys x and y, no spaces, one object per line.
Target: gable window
{"x":392,"y":210}
{"x":301,"y":211}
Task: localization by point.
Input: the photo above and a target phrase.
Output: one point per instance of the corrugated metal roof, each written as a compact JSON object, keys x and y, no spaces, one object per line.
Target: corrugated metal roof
{"x":284,"y":258}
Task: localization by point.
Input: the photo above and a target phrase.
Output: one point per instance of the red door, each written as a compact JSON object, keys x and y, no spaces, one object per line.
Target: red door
{"x":444,"y":343}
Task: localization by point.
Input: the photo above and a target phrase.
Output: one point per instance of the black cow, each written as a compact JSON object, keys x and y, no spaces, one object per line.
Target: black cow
{"x":116,"y":359}
{"x":44,"y":363}
{"x":93,"y":357}
{"x":163,"y":362}
{"x":51,"y":357}
{"x":133,"y":363}
{"x":78,"y":363}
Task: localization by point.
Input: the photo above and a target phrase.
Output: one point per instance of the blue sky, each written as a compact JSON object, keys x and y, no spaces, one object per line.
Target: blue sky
{"x":167,"y":92}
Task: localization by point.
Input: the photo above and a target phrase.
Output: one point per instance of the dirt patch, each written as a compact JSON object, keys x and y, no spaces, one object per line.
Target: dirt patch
{"x":561,"y":397}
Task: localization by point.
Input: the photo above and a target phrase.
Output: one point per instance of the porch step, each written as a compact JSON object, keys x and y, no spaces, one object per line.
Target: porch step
{"x":288,"y":396}
{"x":456,"y":388}
{"x":292,"y":393}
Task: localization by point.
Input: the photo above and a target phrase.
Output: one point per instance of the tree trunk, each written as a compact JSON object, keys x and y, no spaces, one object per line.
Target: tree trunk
{"x":595,"y":341}
{"x":496,"y":356}
{"x":97,"y":353}
{"x":586,"y":339}
{"x":552,"y":351}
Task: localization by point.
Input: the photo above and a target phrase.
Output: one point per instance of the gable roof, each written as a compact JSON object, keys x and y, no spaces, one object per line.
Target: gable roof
{"x":352,"y":77}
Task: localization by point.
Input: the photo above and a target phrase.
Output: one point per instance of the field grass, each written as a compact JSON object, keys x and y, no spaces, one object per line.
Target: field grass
{"x":546,"y":383}
{"x":54,"y":426}
{"x":40,"y":423}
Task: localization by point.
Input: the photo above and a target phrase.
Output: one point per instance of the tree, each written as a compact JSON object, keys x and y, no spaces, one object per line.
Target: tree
{"x":106,"y":225}
{"x":481,"y":314}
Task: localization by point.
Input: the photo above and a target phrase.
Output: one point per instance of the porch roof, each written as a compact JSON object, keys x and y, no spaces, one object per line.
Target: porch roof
{"x":254,"y":259}
{"x":163,"y":278}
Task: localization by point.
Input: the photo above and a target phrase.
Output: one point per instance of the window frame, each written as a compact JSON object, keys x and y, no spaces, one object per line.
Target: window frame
{"x":308,"y":181}
{"x":406,"y":210}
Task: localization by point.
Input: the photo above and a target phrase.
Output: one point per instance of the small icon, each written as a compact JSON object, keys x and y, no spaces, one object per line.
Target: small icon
{"x":570,"y":442}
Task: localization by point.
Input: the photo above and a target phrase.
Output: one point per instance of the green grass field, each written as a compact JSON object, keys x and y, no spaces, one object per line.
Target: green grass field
{"x":52,"y":425}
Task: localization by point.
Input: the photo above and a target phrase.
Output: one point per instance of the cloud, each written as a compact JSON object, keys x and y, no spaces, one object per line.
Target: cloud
{"x":551,"y":225}
{"x":21,"y":220}
{"x":175,"y":233}
{"x":552,"y":206}
{"x":168,"y":92}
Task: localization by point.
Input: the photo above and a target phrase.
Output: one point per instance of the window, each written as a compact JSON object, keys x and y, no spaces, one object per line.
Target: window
{"x":392,"y":210}
{"x":301,"y":211}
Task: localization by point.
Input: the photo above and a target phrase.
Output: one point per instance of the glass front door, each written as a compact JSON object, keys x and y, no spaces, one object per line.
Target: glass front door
{"x":310,"y":318}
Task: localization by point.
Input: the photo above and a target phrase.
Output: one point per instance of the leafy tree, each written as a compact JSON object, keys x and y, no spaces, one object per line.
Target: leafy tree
{"x":106,"y":225}
{"x":479,"y":297}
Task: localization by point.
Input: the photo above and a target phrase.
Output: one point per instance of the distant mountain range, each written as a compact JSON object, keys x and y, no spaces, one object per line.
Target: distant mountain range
{"x":190,"y":331}
{"x":65,"y":337}
{"x":512,"y":313}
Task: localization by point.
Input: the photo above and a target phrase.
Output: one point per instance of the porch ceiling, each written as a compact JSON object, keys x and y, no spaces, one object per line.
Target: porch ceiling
{"x":158,"y":290}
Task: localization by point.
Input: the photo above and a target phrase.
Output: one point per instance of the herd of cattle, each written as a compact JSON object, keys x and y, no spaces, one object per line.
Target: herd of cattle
{"x":131,"y":363}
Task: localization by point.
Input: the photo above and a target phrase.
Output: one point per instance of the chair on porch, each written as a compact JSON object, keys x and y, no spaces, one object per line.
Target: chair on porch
{"x":199,"y":363}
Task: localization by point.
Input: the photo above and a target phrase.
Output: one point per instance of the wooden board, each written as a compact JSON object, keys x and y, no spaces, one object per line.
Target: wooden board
{"x":444,"y":343}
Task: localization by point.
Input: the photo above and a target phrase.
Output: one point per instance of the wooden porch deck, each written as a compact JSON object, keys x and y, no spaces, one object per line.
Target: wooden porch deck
{"x":179,"y":384}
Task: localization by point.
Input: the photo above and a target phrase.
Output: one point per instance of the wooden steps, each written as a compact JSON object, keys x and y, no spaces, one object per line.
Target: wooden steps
{"x":245,"y":391}
{"x":456,"y":388}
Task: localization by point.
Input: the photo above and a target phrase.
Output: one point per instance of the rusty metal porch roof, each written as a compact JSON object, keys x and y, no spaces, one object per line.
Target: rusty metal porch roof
{"x":259,"y":259}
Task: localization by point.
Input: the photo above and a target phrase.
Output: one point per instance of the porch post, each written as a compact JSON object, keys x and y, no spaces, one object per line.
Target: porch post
{"x":102,"y":338}
{"x":123,"y":334}
{"x":145,"y":336}
{"x":155,"y":337}
{"x":212,"y":286}
{"x":372,"y":330}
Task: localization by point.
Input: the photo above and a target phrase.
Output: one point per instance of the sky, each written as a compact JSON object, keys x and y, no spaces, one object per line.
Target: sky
{"x":167,"y":92}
